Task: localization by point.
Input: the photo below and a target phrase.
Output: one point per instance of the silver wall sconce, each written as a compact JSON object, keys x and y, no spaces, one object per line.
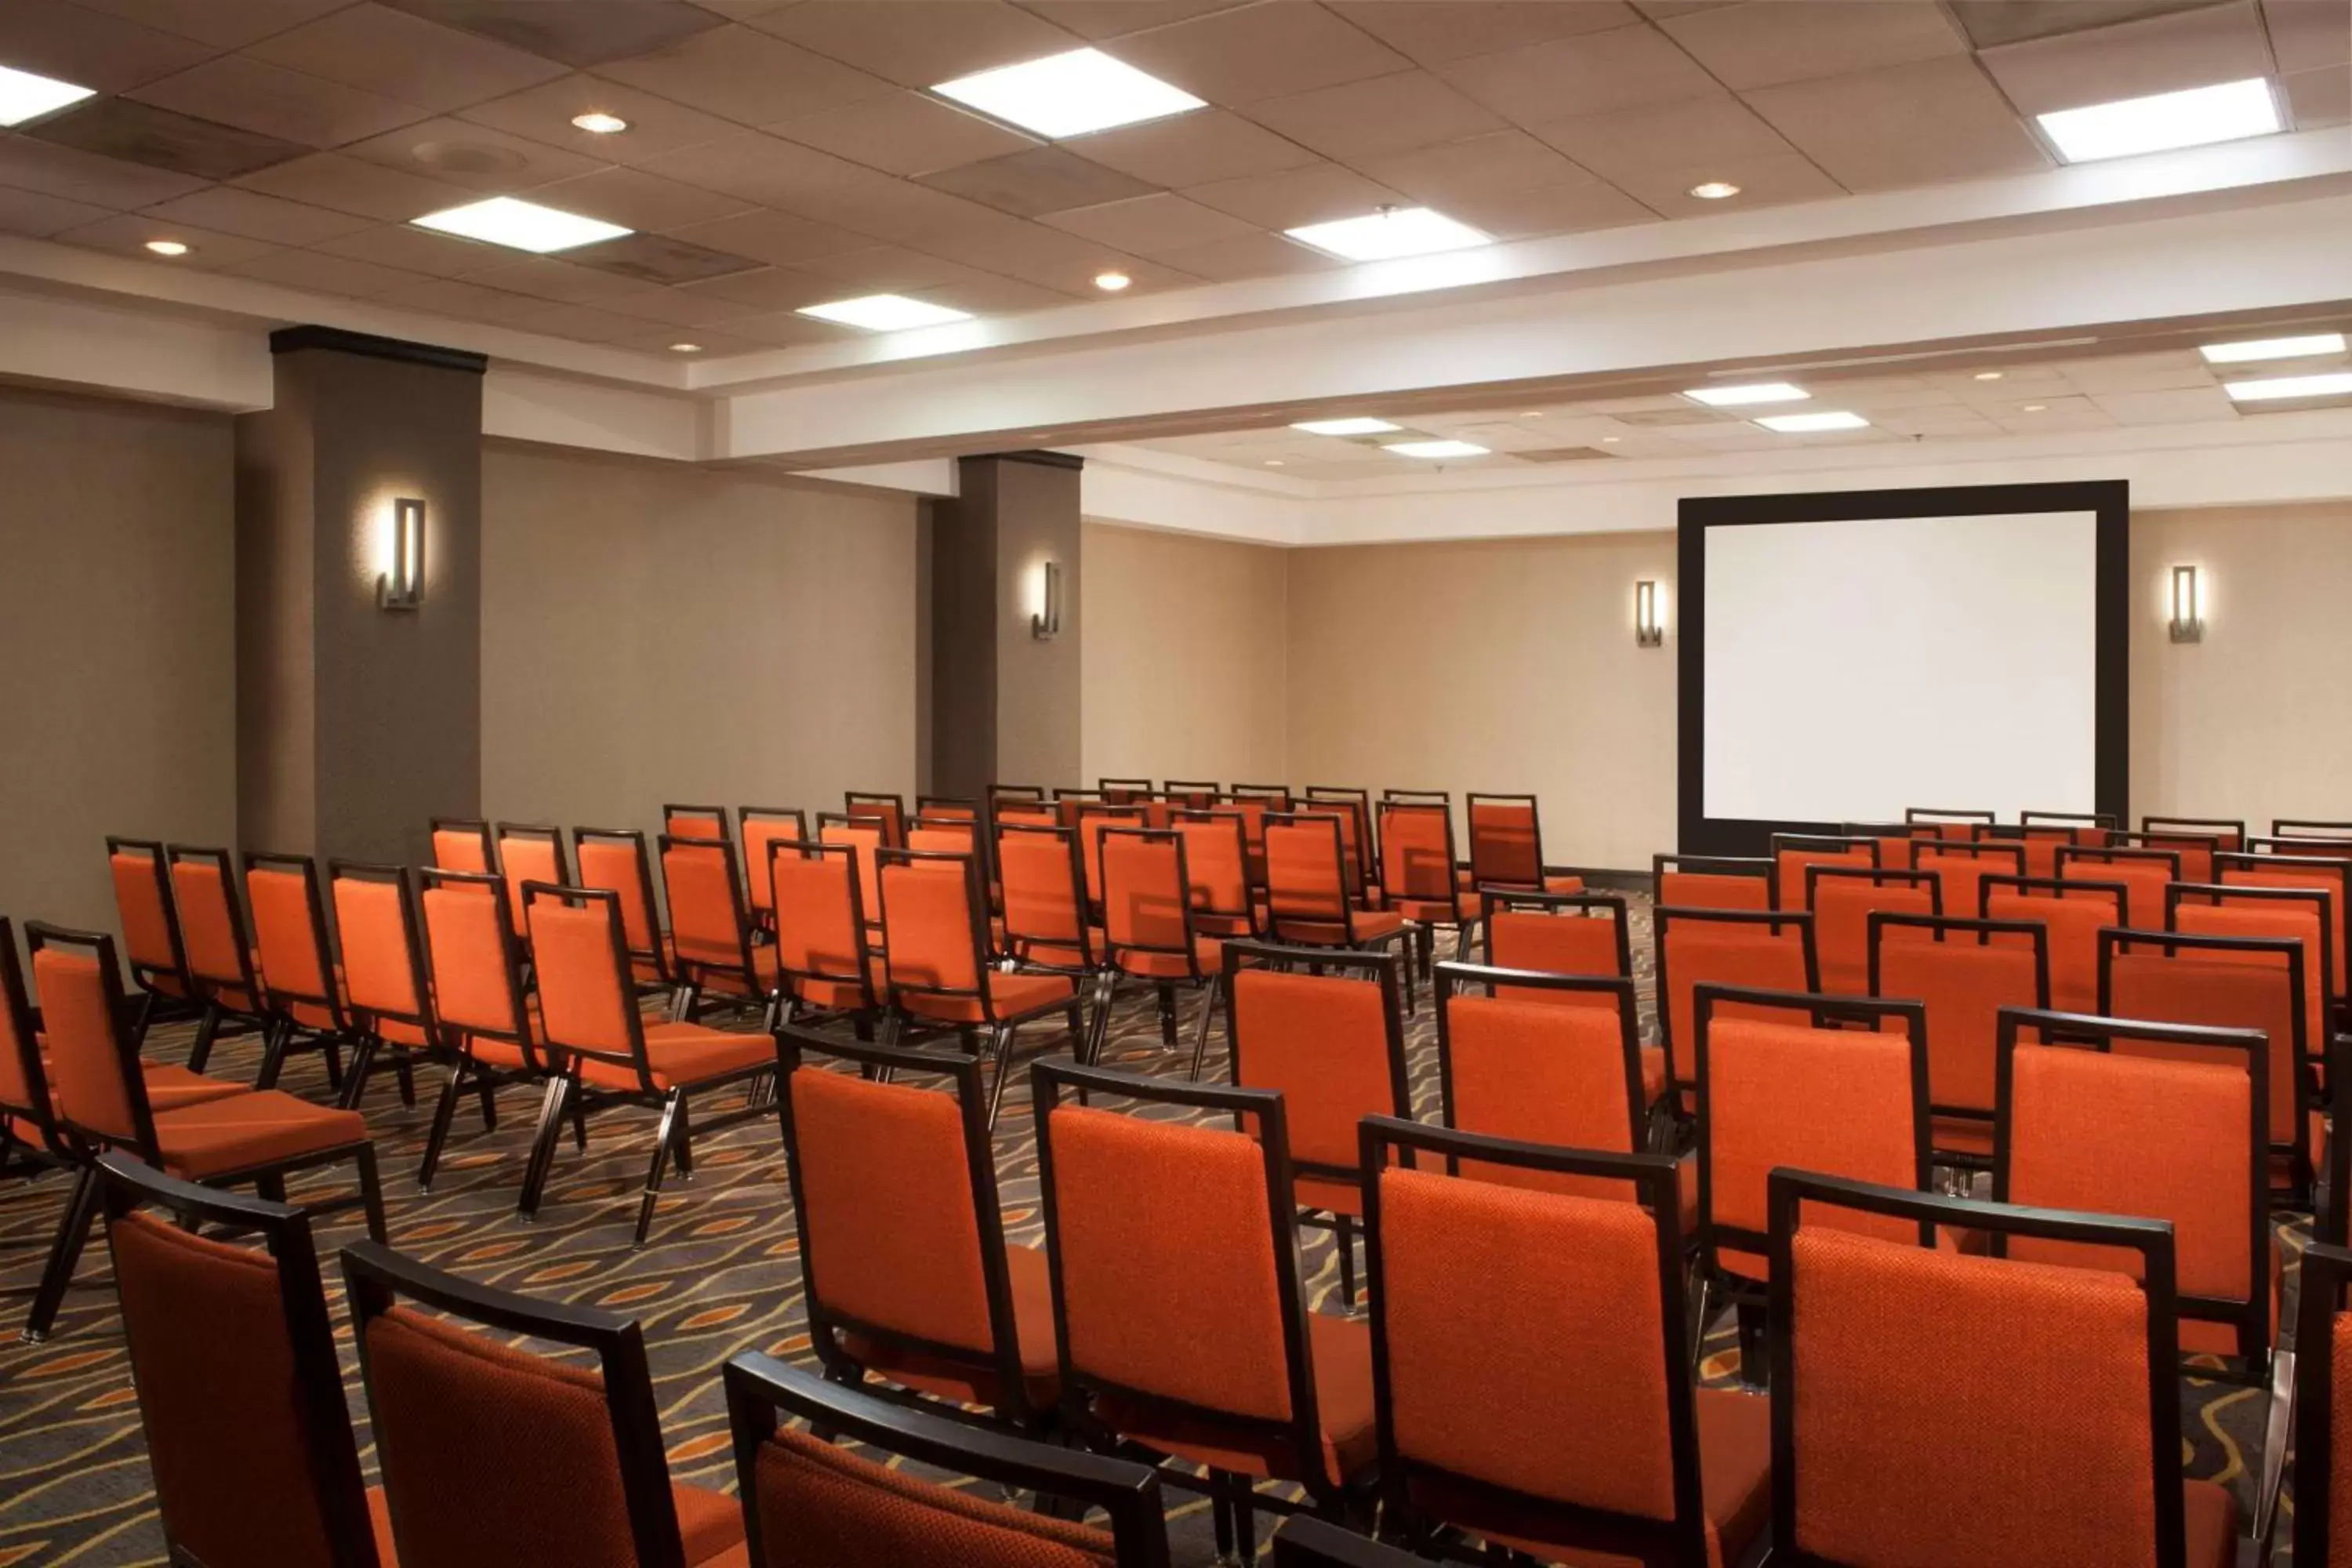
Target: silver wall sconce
{"x":1046,"y":620}
{"x":403,"y":587}
{"x":2188,"y":605}
{"x":1649,"y":615}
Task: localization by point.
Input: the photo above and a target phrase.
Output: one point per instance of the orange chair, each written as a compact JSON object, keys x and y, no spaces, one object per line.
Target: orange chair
{"x":710,"y":933}
{"x":495,"y":1453}
{"x":2299,"y":914}
{"x":610,"y":1055}
{"x":1185,"y":1324}
{"x":764,"y":825}
{"x":1959,"y":868}
{"x":940,"y":973}
{"x":2270,"y":866}
{"x":1275,"y":796}
{"x":1767,"y":949}
{"x":615,"y":857}
{"x":1864,"y":1466}
{"x":151,"y":933}
{"x":463,"y":843}
{"x":806,"y":1500}
{"x":295,"y":968}
{"x":869,"y":838}
{"x":1711,"y":881}
{"x":479,"y":1009}
{"x":101,"y":1102}
{"x":1092,"y":820}
{"x":1420,"y":797}
{"x":2086,"y":827}
{"x":1047,"y":922}
{"x":2225,"y":833}
{"x":530,"y":852}
{"x":947,"y":808}
{"x":935,"y":1302}
{"x":823,"y":962}
{"x":1307,"y":899}
{"x":1896,"y":840}
{"x":1355,"y":832}
{"x":947,"y":834}
{"x":384,"y":991}
{"x":696,"y":822}
{"x":1015,"y":794}
{"x":1817,"y":1094}
{"x":1558,"y":933}
{"x":1950,"y":824}
{"x":1506,"y":846}
{"x":1793,"y":852}
{"x":1123,"y":792}
{"x":2071,"y":914}
{"x":1216,"y":859}
{"x":1148,"y":934}
{"x":2144,"y":873}
{"x":1196,"y":794}
{"x":1069,"y":802}
{"x":2323,"y":1337}
{"x":889,"y":810}
{"x":1417,"y":873}
{"x":221,"y":959}
{"x":1843,"y":898}
{"x":1548,"y":1407}
{"x":1963,"y":972}
{"x":240,"y":1398}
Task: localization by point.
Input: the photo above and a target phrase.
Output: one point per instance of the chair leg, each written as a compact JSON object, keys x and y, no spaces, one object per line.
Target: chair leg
{"x":65,"y":1254}
{"x":445,"y":1111}
{"x":362,"y":1063}
{"x":1098,"y":1028}
{"x":490,"y":1097}
{"x":1245,"y":1520}
{"x":1167,"y":1008}
{"x":580,"y":1122}
{"x":1221,"y":1517}
{"x":542,"y":1145}
{"x":370,"y":1191}
{"x":146,"y":1016}
{"x":332,"y":1050}
{"x":1751,"y":1344}
{"x":1201,"y":1029}
{"x":207,"y":1027}
{"x":682,"y":1146}
{"x":270,"y":1186}
{"x":1345,"y":1230}
{"x":273,"y":1055}
{"x":1002,"y":1043}
{"x":662,"y":1136}
{"x":2274,"y":1440}
{"x":406,"y":1073}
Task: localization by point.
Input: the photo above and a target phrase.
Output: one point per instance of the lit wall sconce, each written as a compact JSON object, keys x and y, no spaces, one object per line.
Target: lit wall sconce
{"x":1046,"y":620}
{"x":2188,"y":605}
{"x":1649,"y":615}
{"x":403,"y":587}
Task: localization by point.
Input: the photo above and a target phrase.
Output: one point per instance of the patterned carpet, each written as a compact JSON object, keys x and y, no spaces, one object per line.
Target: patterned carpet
{"x":720,"y":1275}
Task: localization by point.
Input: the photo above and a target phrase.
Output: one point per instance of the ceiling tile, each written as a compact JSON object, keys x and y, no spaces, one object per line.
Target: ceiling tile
{"x":634,"y":199}
{"x":353,"y":185}
{"x":1041,"y":180}
{"x":1500,"y":160}
{"x":1433,"y":30}
{"x":984,"y":295}
{"x":126,"y":234}
{"x":104,"y":53}
{"x":1569,"y":209}
{"x":2308,"y":33}
{"x":1249,"y":256}
{"x":1049,"y":258}
{"x":141,"y":134}
{"x":760,"y":169}
{"x":288,"y":105}
{"x":657,"y":341}
{"x":2177,"y":406}
{"x":405,"y":58}
{"x":417,"y":250}
{"x":1906,"y":125}
{"x":224,"y":24}
{"x":448,"y":297}
{"x":1621,"y":68}
{"x":1114,"y":18}
{"x":1264,"y":50}
{"x":581,"y":322}
{"x":905,"y":134}
{"x":1664,"y":135}
{"x":889,"y":208}
{"x":1659,"y":10}
{"x":1297,"y":196}
{"x":474,"y":156}
{"x":1150,"y":226}
{"x":1380,"y":114}
{"x":256,"y":216}
{"x":2132,"y":59}
{"x":784,"y":329}
{"x":577,"y":32}
{"x":2317,"y":98}
{"x":81,"y":176}
{"x":1766,"y":42}
{"x":918,"y":43}
{"x":544,"y":113}
{"x":322,"y":274}
{"x":551,"y":278}
{"x":1991,"y":22}
{"x":747,"y":75}
{"x":31,"y":213}
{"x":885,"y":270}
{"x":775,"y":237}
{"x":1766,"y":180}
{"x":770,"y":289}
{"x":656,"y":259}
{"x":1191,"y":149}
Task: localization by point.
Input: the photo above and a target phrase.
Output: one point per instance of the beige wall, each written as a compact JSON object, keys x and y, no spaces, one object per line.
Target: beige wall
{"x":1185,"y":656}
{"x":1504,"y":666}
{"x":653,"y":634}
{"x":118,"y":688}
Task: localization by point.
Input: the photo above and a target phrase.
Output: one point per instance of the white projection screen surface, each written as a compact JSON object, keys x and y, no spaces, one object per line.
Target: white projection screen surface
{"x":1855,"y":666}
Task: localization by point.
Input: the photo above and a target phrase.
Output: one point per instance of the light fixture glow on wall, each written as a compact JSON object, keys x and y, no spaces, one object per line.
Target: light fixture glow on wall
{"x":2188,"y":606}
{"x":1649,"y":615}
{"x":401,"y":587}
{"x":1046,"y":620}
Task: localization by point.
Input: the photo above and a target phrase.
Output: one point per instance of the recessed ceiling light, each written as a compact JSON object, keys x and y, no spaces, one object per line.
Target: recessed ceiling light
{"x":2229,"y":112}
{"x":885,"y":314}
{"x":1738,"y":396}
{"x":1434,"y":449}
{"x":1388,"y":233}
{"x":1988,"y":375}
{"x":2274,"y":348}
{"x":24,"y":96}
{"x":1714,"y":190}
{"x":1611,"y":440}
{"x":1273,"y":463}
{"x":2033,"y":407}
{"x":523,"y":226}
{"x":1532,"y":414}
{"x":600,"y":124}
{"x":1069,"y":94}
{"x":1804,"y":424}
{"x":686,"y":348}
{"x":2334,"y":384}
{"x":1112,"y":282}
{"x":1345,"y":426}
{"x":168,"y":247}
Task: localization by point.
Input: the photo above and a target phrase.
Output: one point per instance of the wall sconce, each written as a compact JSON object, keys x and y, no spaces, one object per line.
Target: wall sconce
{"x":403,"y":588}
{"x":1046,"y":620}
{"x":2188,"y":606}
{"x":1648,"y":616}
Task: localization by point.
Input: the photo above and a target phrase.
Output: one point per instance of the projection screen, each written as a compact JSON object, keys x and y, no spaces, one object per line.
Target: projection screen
{"x":1848,"y":656}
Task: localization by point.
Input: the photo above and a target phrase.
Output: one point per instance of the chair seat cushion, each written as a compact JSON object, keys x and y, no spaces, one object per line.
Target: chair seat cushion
{"x":1962,"y":1135}
{"x":681,"y":1055}
{"x":710,"y":1527}
{"x":1208,"y":955}
{"x":2211,"y":1517}
{"x":730,"y":982}
{"x":967,"y":1383}
{"x":259,"y":1127}
{"x":1342,"y":1352}
{"x":1009,"y":996}
{"x":170,"y":1088}
{"x":1461,"y":908}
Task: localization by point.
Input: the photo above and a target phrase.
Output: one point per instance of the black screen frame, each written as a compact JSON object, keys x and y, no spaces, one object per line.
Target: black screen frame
{"x":2109,"y":500}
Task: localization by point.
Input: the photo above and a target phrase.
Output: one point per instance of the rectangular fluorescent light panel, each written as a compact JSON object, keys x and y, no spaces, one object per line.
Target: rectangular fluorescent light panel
{"x":1434,"y":449}
{"x":1804,"y":424}
{"x":523,"y":226}
{"x":1069,"y":94}
{"x":1345,"y":426}
{"x":2335,"y":384}
{"x":885,"y":314}
{"x":2161,"y":122}
{"x":2274,"y":348}
{"x":24,"y":96}
{"x":1739,"y":396}
{"x":1385,"y":235}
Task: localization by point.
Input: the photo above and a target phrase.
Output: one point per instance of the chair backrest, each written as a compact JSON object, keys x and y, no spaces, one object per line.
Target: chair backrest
{"x":1793,"y":852}
{"x":1771,"y":951}
{"x":2117,"y":1116}
{"x":233,"y":1355}
{"x":2090,"y":827}
{"x":2226,"y":981}
{"x":2223,"y":832}
{"x":212,"y":925}
{"x":1044,"y":889}
{"x":463,"y":843}
{"x":1963,"y":972}
{"x":1509,"y":1065}
{"x":1275,"y":796}
{"x":695,"y":822}
{"x":23,"y":1078}
{"x":2323,"y":1375}
{"x":2039,"y":842}
{"x":615,"y":857}
{"x":2277,"y":868}
{"x":2295,"y":914}
{"x":1506,"y":833}
{"x":1845,"y":1101}
{"x":806,"y":1500}
{"x":1069,"y":802}
{"x":1416,"y":849}
{"x":947,"y":808}
{"x":865,"y":835}
{"x":1010,"y":794}
{"x":1355,"y":828}
{"x":143,"y":907}
{"x":382,"y":942}
{"x":492,"y":1453}
{"x":889,"y":810}
{"x":297,"y":968}
{"x":933,"y":1278}
{"x":932,"y":926}
{"x":1216,"y":859}
{"x":1124,"y":791}
{"x":762,"y":826}
{"x":1864,"y":1466}
{"x":1147,"y":902}
{"x":2071,"y":913}
{"x":97,"y":1086}
{"x":1305,"y":874}
{"x":471,"y":953}
{"x":1712,"y":882}
{"x":709,"y":931}
{"x":1197,"y":795}
{"x":1558,"y":933}
{"x":1093,"y":821}
{"x":2144,"y":873}
{"x":1331,"y":1044}
{"x":1895,"y":840}
{"x":1843,"y":899}
{"x":587,"y":1004}
{"x":947,"y":834}
{"x":1959,"y":868}
{"x":529,"y":852}
{"x":1949,"y":823}
{"x":820,"y":920}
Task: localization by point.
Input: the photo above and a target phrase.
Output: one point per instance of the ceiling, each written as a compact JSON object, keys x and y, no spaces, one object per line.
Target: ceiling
{"x":784,"y":154}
